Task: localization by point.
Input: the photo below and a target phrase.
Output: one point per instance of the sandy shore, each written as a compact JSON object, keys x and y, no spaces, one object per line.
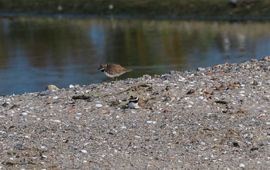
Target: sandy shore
{"x":217,"y":118}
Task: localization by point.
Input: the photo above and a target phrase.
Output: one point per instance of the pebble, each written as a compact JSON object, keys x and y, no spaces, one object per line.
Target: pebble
{"x":201,"y":97}
{"x":52,"y":87}
{"x":200,"y":69}
{"x":123,"y":127}
{"x":84,"y":151}
{"x":181,"y":78}
{"x":24,"y":113}
{"x":151,"y":122}
{"x":242,"y":165}
{"x":55,"y":97}
{"x":98,"y":105}
{"x":56,"y":121}
{"x":43,"y":147}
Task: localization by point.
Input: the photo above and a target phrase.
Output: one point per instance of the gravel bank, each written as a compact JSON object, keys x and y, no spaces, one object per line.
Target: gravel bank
{"x":216,"y":118}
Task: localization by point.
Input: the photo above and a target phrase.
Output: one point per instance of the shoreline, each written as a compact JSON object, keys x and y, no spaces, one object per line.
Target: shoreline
{"x":172,"y":9}
{"x":215,"y":117}
{"x":139,"y":17}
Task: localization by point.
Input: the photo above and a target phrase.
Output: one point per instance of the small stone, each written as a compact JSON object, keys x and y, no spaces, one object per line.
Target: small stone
{"x":123,"y":127}
{"x":267,"y":58}
{"x":56,"y":121}
{"x":43,"y":156}
{"x":200,"y":69}
{"x":253,"y":60}
{"x":147,"y":77}
{"x":151,"y":122}
{"x":98,"y":105}
{"x":55,"y":97}
{"x":181,"y":78}
{"x":210,"y":114}
{"x":24,"y":113}
{"x":201,"y":97}
{"x":242,"y":165}
{"x":84,"y":151}
{"x":52,"y":87}
{"x":255,"y":83}
{"x":43,"y":147}
{"x":71,"y":86}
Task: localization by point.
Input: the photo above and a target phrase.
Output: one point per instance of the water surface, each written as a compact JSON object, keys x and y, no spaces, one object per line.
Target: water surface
{"x":35,"y":52}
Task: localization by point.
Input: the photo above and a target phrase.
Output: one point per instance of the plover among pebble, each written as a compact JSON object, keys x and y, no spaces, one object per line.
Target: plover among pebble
{"x":113,"y":70}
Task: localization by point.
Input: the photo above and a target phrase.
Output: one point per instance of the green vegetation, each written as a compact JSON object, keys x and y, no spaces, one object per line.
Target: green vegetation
{"x":152,"y":8}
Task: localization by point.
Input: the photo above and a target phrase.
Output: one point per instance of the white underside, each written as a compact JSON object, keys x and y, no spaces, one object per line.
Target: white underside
{"x":133,"y":105}
{"x":112,"y":76}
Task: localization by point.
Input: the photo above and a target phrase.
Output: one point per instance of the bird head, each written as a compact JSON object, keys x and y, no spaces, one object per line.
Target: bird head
{"x":133,"y":99}
{"x":102,"y":67}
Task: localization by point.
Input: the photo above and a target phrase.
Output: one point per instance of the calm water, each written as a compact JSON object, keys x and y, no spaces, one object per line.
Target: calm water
{"x":35,"y":52}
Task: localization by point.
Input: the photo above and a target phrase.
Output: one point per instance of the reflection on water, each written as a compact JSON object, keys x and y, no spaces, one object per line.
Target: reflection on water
{"x":35,"y":52}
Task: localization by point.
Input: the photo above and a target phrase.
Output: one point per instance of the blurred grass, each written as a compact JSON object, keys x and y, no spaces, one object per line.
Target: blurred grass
{"x":153,"y":8}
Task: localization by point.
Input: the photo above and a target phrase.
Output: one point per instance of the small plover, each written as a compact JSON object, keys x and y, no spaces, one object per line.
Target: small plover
{"x":113,"y":70}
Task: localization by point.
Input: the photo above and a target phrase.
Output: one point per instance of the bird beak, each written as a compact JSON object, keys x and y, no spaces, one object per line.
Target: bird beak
{"x":101,"y":68}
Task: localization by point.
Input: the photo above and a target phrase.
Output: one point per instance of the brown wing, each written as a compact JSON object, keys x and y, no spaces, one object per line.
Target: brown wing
{"x":115,"y":69}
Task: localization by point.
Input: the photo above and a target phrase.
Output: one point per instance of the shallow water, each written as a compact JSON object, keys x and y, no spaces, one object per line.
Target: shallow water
{"x":35,"y":52}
